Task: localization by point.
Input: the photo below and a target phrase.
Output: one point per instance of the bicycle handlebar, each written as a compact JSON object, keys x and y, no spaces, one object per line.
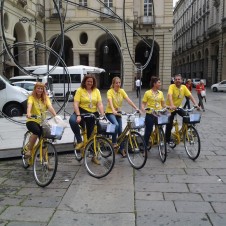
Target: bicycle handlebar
{"x":128,"y":114}
{"x":157,"y":111}
{"x":88,"y":115}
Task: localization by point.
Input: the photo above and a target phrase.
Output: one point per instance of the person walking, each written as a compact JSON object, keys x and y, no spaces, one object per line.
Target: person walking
{"x":38,"y":103}
{"x":201,"y":93}
{"x":175,"y":96}
{"x":189,"y":86}
{"x":115,"y":97}
{"x":153,"y":98}
{"x":86,"y":100}
{"x":138,"y":86}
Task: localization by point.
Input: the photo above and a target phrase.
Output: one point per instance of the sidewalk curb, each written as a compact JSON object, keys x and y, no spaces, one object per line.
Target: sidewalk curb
{"x":16,"y":152}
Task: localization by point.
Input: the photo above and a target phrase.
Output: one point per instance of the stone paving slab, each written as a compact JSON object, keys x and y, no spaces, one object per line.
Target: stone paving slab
{"x":68,"y":218}
{"x":172,"y":219}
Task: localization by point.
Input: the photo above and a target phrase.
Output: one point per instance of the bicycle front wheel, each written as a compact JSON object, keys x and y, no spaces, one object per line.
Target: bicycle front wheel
{"x":99,"y":157}
{"x":162,"y":145}
{"x":136,"y":150}
{"x":192,"y":143}
{"x":45,"y":167}
{"x":25,"y":160}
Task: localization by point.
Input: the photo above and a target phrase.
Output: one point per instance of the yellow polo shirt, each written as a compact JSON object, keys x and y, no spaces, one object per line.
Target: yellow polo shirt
{"x":117,"y":99}
{"x":153,"y":100}
{"x":88,"y":101}
{"x":38,"y":108}
{"x":178,"y":94}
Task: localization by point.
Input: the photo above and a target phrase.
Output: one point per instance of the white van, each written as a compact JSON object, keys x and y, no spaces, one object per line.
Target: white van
{"x":13,"y":99}
{"x":61,"y":82}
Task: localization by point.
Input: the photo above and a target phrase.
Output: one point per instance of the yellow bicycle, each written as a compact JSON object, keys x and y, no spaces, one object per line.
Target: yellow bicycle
{"x":134,"y":143}
{"x":98,"y":152}
{"x":43,"y":158}
{"x":160,"y":118}
{"x":187,"y":133}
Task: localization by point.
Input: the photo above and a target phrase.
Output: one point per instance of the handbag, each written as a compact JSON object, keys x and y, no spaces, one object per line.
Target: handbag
{"x":203,"y":93}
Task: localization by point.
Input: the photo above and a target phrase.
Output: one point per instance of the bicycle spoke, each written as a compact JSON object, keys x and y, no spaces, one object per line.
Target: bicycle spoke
{"x":192,"y":143}
{"x":45,"y":166}
{"x":136,"y":150}
{"x":99,"y":158}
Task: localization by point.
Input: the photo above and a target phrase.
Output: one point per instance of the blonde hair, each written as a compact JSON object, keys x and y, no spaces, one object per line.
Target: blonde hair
{"x":114,"y":81}
{"x":44,"y":93}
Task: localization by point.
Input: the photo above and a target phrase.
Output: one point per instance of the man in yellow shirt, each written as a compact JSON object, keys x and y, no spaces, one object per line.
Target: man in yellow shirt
{"x":175,"y":96}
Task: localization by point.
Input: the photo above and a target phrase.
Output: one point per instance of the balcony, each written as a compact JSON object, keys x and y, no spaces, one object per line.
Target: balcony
{"x":193,"y":42}
{"x":106,"y":12}
{"x":188,"y":45}
{"x":22,"y":2}
{"x":147,"y":20}
{"x":40,"y":10}
{"x":199,"y":39}
{"x":214,"y":29}
{"x":54,"y":13}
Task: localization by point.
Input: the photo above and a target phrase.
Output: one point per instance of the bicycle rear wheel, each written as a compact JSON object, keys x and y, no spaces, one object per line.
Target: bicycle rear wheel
{"x":99,"y":163}
{"x":192,"y":143}
{"x":45,"y":168}
{"x":136,"y":150}
{"x":162,"y":145}
{"x":25,"y":160}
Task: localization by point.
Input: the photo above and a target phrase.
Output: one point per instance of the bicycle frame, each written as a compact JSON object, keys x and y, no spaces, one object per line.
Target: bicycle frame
{"x":178,"y":133}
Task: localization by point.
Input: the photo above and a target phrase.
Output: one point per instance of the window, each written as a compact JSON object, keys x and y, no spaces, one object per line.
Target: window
{"x":84,"y":59}
{"x":108,"y":3}
{"x":83,"y":2}
{"x":148,"y":7}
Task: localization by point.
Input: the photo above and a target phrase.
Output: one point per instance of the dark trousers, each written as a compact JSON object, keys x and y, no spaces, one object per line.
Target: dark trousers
{"x":187,"y":103}
{"x":138,"y":91}
{"x":169,"y":126}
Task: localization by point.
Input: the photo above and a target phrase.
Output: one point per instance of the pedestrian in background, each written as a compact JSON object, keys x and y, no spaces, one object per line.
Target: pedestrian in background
{"x":138,"y":86}
{"x":189,"y":86}
{"x":201,"y":93}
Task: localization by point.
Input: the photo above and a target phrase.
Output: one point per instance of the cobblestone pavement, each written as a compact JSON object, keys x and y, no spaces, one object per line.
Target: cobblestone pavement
{"x":179,"y":192}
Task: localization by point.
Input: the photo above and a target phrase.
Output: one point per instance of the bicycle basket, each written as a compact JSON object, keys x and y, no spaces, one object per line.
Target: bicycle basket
{"x":52,"y":131}
{"x":192,"y":118}
{"x":105,"y":127}
{"x":138,"y":123}
{"x":161,"y":119}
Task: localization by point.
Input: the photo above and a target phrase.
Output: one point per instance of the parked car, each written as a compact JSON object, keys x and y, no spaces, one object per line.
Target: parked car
{"x":196,"y":81}
{"x":220,"y":86}
{"x":29,"y":86}
{"x":13,"y":99}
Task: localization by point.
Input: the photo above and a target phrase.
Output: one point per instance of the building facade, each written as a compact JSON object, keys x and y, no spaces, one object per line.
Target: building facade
{"x":199,"y":40}
{"x":96,"y":33}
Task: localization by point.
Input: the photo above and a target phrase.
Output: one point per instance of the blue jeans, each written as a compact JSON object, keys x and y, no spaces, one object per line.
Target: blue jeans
{"x":117,"y":121}
{"x":90,"y":123}
{"x":149,"y":122}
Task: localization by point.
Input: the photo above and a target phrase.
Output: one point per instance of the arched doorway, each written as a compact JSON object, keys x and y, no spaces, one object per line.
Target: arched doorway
{"x":141,"y":55}
{"x":55,"y":44}
{"x":108,"y":57}
{"x":20,"y":53}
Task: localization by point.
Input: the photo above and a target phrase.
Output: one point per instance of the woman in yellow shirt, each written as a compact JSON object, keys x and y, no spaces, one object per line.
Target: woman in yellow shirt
{"x":153,"y":98}
{"x":86,"y":100}
{"x":38,"y":104}
{"x":115,"y":96}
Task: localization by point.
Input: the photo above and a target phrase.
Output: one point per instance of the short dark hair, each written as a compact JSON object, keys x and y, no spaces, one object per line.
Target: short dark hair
{"x":154,"y":79}
{"x":83,"y":84}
